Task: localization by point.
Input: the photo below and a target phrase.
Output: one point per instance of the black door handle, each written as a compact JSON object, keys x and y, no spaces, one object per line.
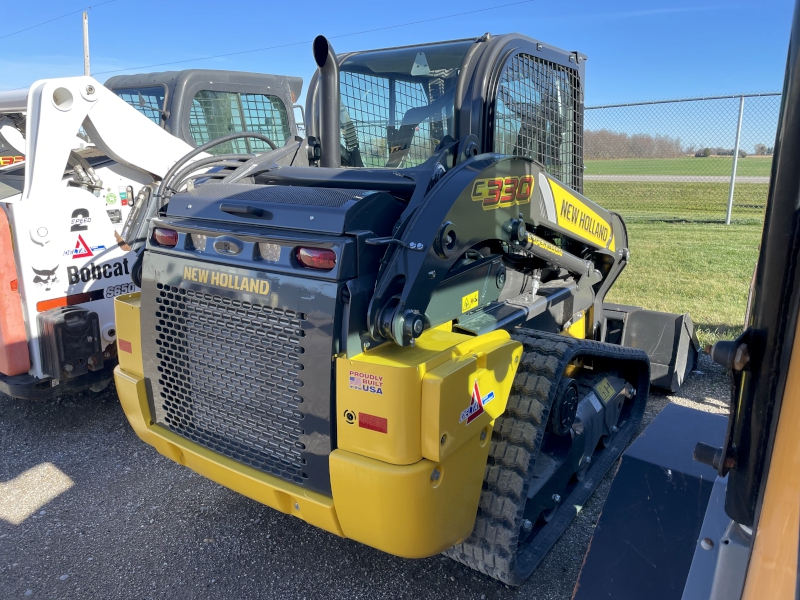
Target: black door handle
{"x":243,"y":210}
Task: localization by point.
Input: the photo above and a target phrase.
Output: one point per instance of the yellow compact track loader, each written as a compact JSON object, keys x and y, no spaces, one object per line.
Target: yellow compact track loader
{"x":394,"y":328}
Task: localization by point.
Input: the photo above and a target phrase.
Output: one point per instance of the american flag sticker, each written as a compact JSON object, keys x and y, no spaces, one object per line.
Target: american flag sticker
{"x":366,"y":382}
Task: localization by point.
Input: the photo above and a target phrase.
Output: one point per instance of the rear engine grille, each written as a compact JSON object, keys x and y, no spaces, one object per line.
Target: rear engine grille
{"x":230,"y":378}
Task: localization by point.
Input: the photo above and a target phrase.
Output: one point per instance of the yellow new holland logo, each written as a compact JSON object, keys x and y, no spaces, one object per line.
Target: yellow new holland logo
{"x":575,"y":216}
{"x":226,"y":280}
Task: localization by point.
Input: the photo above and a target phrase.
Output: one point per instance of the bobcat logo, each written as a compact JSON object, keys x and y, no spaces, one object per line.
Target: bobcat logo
{"x":45,"y":278}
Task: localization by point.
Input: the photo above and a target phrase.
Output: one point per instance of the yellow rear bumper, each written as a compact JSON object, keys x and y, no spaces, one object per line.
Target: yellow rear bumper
{"x":411,"y":510}
{"x":400,"y":509}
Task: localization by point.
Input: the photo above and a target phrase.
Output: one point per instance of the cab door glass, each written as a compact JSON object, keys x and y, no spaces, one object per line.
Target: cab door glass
{"x":216,"y":114}
{"x":538,"y":114}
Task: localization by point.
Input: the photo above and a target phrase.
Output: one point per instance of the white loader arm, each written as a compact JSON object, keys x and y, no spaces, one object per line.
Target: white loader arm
{"x":57,"y":108}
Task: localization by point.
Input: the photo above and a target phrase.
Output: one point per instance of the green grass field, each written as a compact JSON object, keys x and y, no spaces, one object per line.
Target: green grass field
{"x":700,"y":268}
{"x":637,"y":201}
{"x":712,"y":165}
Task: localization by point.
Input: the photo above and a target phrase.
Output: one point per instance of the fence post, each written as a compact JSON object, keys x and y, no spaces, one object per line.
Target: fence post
{"x":735,"y":161}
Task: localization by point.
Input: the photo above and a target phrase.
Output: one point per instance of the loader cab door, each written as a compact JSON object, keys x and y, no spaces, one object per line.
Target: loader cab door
{"x":537,"y":110}
{"x":398,"y":104}
{"x":214,"y":114}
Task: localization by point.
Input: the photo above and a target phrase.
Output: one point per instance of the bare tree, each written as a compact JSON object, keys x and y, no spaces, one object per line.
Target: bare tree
{"x":605,"y":144}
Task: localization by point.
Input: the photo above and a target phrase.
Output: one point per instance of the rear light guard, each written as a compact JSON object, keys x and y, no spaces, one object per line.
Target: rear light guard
{"x":325,"y":257}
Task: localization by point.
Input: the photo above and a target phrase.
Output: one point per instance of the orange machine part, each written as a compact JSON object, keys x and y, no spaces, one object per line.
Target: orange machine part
{"x":14,"y":357}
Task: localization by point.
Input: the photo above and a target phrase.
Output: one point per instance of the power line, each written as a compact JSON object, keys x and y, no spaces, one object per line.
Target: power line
{"x":461,"y":14}
{"x":56,"y":19}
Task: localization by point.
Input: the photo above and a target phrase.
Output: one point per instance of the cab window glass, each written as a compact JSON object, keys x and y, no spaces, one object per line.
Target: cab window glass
{"x":397,"y":105}
{"x":216,"y":114}
{"x":148,"y":101}
{"x":538,"y":114}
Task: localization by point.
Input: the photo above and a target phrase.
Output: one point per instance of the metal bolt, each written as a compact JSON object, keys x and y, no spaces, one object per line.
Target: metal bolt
{"x":483,"y":435}
{"x":106,"y":354}
{"x":413,"y":342}
{"x":741,"y":358}
{"x":432,"y":274}
{"x":516,"y":359}
{"x":706,"y":544}
{"x":435,"y":475}
{"x":92,"y":360}
{"x":443,"y":440}
{"x":366,"y":345}
{"x":188,"y":206}
{"x":90,"y":89}
{"x":556,"y":498}
{"x":311,"y":218}
{"x":615,"y":429}
{"x":418,"y":327}
{"x":296,"y":506}
{"x":68,"y":367}
{"x":527,"y":526}
{"x":588,"y":460}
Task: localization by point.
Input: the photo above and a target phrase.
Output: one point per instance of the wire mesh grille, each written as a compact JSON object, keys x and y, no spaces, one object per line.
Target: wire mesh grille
{"x":216,"y":114}
{"x":366,"y":99}
{"x":673,"y":160}
{"x":148,"y":101}
{"x":266,"y":115}
{"x":230,"y":374}
{"x":539,"y":115}
{"x":401,"y":137}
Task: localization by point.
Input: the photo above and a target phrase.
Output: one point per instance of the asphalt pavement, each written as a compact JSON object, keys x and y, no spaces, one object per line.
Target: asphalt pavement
{"x":677,"y":178}
{"x":88,"y":511}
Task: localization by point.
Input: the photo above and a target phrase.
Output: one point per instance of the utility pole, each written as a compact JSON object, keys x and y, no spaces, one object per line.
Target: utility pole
{"x":86,"y":43}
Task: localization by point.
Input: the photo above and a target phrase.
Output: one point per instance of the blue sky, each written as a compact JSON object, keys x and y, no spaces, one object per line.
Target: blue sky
{"x":637,"y":50}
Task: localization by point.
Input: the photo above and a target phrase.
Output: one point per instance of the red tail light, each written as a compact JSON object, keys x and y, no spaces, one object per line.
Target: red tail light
{"x":165,"y":237}
{"x":316,"y":258}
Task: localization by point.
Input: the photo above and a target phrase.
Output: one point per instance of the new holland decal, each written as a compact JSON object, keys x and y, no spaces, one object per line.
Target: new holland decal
{"x":475,"y":408}
{"x":544,"y":245}
{"x":575,"y":216}
{"x":502,"y":191}
{"x":226,"y":280}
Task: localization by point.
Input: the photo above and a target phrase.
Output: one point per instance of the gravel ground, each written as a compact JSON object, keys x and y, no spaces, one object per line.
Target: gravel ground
{"x":89,"y":511}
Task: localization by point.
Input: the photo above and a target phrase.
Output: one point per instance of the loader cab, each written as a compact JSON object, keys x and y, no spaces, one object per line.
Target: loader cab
{"x":506,"y":94}
{"x":199,"y":105}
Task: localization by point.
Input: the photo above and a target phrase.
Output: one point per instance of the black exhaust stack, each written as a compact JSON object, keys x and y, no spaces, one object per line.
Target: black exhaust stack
{"x":328,"y":98}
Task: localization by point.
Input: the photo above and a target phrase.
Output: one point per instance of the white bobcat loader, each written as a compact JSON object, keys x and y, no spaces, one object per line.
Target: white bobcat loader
{"x":93,"y":155}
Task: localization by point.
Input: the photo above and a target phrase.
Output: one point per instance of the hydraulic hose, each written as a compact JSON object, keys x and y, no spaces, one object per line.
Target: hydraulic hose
{"x":222,"y":160}
{"x":155,"y":199}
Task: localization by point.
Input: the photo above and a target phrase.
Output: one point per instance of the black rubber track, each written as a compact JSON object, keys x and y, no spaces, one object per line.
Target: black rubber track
{"x":493,"y":547}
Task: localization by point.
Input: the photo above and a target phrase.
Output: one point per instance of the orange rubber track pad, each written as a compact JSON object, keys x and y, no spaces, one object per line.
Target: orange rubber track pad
{"x":14,"y":357}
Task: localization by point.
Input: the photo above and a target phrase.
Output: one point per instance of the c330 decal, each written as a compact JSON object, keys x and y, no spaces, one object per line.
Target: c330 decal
{"x":502,"y":191}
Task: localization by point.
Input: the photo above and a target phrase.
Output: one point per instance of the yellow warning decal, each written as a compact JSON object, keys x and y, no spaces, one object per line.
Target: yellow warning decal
{"x":575,"y":216}
{"x":544,"y":245}
{"x":469,"y":302}
{"x":605,"y":390}
{"x":225,"y":280}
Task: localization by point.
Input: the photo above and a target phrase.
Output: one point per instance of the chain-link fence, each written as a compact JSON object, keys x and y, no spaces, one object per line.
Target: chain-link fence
{"x":674,"y":159}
